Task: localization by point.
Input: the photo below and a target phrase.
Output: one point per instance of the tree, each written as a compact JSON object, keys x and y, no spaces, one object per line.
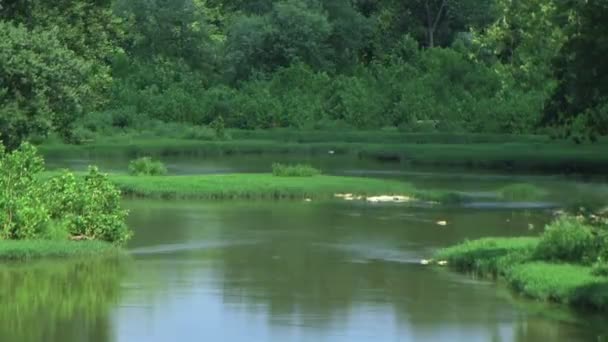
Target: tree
{"x":176,"y":29}
{"x":582,"y":95}
{"x":43,"y":85}
{"x":291,"y":32}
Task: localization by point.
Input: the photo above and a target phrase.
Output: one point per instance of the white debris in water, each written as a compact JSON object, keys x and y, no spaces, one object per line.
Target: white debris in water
{"x":442,"y":223}
{"x":331,"y":152}
{"x":307,"y":200}
{"x":425,"y":262}
{"x":388,"y":198}
{"x":442,"y":263}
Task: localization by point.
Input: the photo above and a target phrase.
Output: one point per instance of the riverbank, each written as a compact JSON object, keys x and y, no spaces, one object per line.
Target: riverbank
{"x":25,"y":250}
{"x":266,"y":186}
{"x":512,"y":260}
{"x":525,"y":153}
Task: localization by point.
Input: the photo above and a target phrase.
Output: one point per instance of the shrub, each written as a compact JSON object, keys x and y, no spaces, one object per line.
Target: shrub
{"x":600,"y":269}
{"x":202,"y":133}
{"x":22,"y":211}
{"x":298,"y":170}
{"x":521,"y":192}
{"x":88,"y":208}
{"x":570,"y":240}
{"x":145,"y":166}
{"x":63,"y":206}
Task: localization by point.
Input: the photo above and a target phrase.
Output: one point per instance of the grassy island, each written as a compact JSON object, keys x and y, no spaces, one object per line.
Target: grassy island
{"x":257,"y":186}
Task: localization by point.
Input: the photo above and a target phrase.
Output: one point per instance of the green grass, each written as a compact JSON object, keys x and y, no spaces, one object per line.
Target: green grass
{"x":561,"y":283}
{"x":257,"y":186}
{"x":512,"y":259}
{"x":488,"y":256}
{"x":21,"y":250}
{"x":526,"y":153}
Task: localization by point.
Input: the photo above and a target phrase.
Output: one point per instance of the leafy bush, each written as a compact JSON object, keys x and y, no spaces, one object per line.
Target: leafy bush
{"x":522,"y":192}
{"x":90,"y":208}
{"x":145,"y":166}
{"x":600,"y":269}
{"x":23,"y":214}
{"x":298,"y":170}
{"x":568,"y":239}
{"x":62,"y":207}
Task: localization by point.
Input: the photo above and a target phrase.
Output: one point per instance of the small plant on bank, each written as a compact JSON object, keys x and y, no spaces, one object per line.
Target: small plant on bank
{"x":522,"y":192}
{"x":298,"y":170}
{"x":145,"y":166}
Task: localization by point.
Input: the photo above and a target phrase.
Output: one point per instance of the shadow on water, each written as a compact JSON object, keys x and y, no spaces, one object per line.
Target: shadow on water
{"x":59,"y":301}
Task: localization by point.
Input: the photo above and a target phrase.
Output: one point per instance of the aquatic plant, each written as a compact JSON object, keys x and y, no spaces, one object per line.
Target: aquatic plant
{"x":298,"y":170}
{"x":522,"y":192}
{"x":146,"y":166}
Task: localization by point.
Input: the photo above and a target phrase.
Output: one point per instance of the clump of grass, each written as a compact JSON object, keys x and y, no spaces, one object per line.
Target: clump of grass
{"x":146,"y":166}
{"x":522,"y":192}
{"x":20,"y":250}
{"x":298,"y":170}
{"x":489,"y":255}
{"x":562,"y":283}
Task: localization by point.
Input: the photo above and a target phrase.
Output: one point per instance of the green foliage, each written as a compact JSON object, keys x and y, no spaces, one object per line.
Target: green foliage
{"x":298,"y":170}
{"x":513,"y":259}
{"x":145,"y":166}
{"x":570,"y":240}
{"x":59,"y":208}
{"x":23,"y":214}
{"x":89,"y":208}
{"x":43,"y":84}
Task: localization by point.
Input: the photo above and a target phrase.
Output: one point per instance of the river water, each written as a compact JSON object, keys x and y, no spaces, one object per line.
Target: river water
{"x":296,"y":271}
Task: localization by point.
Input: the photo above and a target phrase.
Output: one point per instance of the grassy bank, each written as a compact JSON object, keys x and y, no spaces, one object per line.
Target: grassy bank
{"x":525,"y":153}
{"x":262,"y":186}
{"x":512,"y":259}
{"x":22,"y":250}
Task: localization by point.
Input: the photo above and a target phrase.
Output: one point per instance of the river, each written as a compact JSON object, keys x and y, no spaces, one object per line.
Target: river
{"x":297,"y":271}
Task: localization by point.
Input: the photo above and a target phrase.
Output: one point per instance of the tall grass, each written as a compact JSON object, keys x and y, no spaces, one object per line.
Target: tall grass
{"x":17,"y":250}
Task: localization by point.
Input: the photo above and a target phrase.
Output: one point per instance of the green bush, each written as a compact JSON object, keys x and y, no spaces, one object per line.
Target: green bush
{"x":522,"y":192}
{"x":298,"y":170}
{"x":23,"y":214}
{"x":600,"y":269}
{"x":568,"y":239}
{"x":58,"y":208}
{"x":145,"y":166}
{"x":89,"y":208}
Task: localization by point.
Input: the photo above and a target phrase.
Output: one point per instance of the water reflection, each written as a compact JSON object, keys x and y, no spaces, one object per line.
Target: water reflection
{"x":59,"y":301}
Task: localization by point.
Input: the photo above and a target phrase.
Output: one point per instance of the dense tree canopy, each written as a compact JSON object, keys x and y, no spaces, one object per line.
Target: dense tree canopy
{"x":502,"y":66}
